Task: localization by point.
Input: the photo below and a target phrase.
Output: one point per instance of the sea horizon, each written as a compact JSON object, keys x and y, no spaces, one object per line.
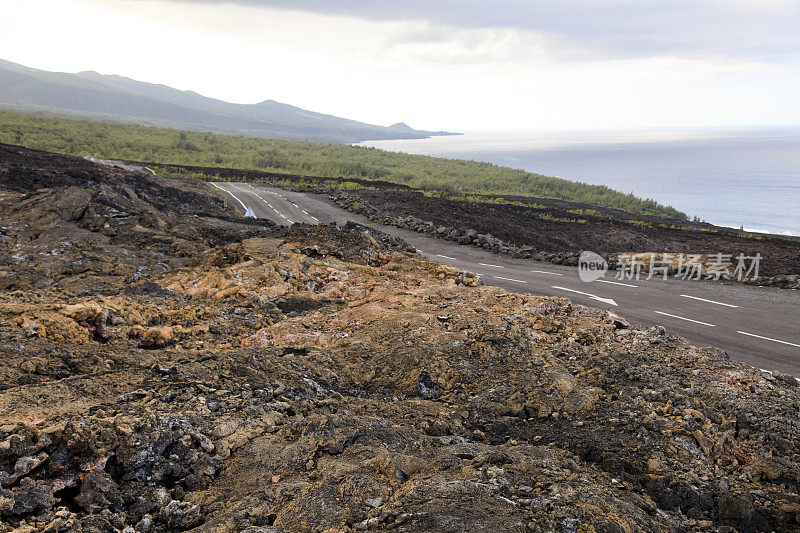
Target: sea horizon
{"x":685,"y":167}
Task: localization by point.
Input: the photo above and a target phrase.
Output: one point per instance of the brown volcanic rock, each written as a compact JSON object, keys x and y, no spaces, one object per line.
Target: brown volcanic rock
{"x":166,"y":371}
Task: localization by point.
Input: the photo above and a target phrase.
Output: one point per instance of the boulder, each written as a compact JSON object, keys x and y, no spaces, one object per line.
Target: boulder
{"x":74,"y":204}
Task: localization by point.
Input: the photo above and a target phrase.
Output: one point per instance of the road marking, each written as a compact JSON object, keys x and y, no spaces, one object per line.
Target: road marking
{"x":510,"y":279}
{"x":315,"y":218}
{"x":446,"y":257}
{"x":229,"y":192}
{"x":709,"y":301}
{"x":592,"y":296}
{"x":262,"y":199}
{"x":616,"y":283}
{"x":488,"y":265}
{"x":546,"y":272}
{"x":686,"y":319}
{"x":767,"y":338}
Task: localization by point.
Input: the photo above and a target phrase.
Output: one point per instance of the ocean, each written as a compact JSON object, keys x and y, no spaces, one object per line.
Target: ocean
{"x":729,"y":177}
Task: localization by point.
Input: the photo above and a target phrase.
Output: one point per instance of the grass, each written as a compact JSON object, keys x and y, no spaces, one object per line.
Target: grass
{"x":170,"y":146}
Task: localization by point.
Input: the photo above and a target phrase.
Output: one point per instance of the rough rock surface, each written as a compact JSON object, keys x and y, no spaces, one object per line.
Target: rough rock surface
{"x":165,"y":367}
{"x":548,"y":230}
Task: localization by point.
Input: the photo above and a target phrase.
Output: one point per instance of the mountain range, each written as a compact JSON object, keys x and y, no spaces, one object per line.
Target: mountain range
{"x":119,"y":99}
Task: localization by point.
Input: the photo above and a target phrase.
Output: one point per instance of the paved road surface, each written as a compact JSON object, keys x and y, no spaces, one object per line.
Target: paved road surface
{"x":266,"y":203}
{"x":757,"y":325}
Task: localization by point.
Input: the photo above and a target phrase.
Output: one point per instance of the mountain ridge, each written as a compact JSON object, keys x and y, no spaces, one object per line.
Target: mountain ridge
{"x":116,"y":98}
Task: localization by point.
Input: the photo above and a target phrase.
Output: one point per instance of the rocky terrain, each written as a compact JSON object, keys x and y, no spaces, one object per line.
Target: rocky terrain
{"x":557,"y":231}
{"x":165,"y":366}
{"x":543,"y":229}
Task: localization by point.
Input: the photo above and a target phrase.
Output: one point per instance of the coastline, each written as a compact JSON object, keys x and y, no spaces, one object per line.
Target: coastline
{"x":684,"y":168}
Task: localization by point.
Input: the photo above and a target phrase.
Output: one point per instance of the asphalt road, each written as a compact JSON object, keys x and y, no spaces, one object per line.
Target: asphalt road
{"x":757,"y":325}
{"x":265,"y":202}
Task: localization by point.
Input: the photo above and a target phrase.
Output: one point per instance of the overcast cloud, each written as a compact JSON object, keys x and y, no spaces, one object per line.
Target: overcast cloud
{"x":455,"y":65}
{"x":738,"y":30}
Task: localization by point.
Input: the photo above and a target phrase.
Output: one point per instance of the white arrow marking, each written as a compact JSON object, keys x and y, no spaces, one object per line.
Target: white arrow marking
{"x":592,"y":296}
{"x":709,"y":301}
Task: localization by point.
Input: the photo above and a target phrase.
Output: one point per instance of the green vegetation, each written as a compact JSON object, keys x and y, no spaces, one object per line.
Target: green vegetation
{"x":295,"y":184}
{"x":169,"y":146}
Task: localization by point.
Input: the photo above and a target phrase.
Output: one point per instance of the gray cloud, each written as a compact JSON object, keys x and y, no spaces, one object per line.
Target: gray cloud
{"x":741,"y":30}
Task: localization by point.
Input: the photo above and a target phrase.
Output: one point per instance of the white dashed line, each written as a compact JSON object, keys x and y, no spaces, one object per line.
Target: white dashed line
{"x":686,"y":319}
{"x":709,"y":301}
{"x":616,"y":283}
{"x":546,"y":272}
{"x":510,"y":279}
{"x":488,"y":265}
{"x":767,"y":338}
{"x":446,"y":257}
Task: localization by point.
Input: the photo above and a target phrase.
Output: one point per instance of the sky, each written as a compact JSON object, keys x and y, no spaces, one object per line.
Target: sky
{"x":463,"y":65}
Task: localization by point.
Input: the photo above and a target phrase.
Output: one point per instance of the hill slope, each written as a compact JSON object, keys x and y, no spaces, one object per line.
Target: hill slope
{"x":120,"y":99}
{"x":165,"y":146}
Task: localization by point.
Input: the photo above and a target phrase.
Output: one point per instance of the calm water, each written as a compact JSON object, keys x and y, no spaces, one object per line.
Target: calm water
{"x":727,"y":177}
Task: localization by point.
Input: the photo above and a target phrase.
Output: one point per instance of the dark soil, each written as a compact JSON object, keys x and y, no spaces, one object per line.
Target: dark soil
{"x":261,"y":176}
{"x":611,"y":233}
{"x":542,"y":225}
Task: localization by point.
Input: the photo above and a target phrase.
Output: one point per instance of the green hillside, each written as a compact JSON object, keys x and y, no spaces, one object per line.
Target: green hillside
{"x":167,"y":146}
